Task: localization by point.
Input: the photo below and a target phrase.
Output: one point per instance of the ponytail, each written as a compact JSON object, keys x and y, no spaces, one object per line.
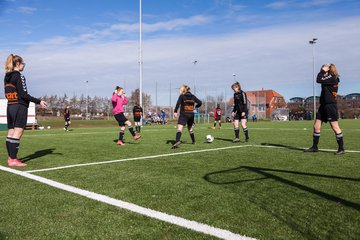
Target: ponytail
{"x":11,"y":62}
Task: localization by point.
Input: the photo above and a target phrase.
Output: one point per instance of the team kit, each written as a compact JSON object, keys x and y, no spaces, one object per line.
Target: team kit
{"x":18,"y":102}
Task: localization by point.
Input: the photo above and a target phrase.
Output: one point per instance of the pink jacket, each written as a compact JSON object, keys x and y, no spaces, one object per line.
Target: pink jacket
{"x":118,"y":103}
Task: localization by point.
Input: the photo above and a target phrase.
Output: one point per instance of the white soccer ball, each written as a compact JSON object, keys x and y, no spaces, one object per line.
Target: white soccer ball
{"x":209,"y":138}
{"x":48,"y":127}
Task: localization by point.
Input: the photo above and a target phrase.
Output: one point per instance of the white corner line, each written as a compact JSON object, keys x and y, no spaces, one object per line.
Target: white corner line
{"x":182,"y":222}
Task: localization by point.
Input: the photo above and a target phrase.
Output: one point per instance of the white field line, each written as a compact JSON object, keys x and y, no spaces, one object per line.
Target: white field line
{"x":170,"y":154}
{"x":165,"y":129}
{"x":136,"y":158}
{"x":182,"y":222}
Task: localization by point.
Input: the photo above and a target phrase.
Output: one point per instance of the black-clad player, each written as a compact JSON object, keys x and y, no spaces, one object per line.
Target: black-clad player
{"x":328,"y":77}
{"x":67,"y":118}
{"x":17,"y":109}
{"x":137,"y":113}
{"x":187,"y":103}
{"x":240,"y":111}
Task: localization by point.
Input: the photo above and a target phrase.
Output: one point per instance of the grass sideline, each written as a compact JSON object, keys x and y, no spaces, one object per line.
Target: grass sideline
{"x":265,"y":193}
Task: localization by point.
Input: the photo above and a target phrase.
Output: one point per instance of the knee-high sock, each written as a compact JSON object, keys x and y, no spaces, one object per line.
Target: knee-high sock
{"x":316,"y":137}
{"x":236,"y":132}
{"x":131,"y":129}
{"x":178,"y":136}
{"x":246,"y":132}
{"x":121,"y":135}
{"x":340,"y":141}
{"x":13,"y":145}
{"x":192,"y":135}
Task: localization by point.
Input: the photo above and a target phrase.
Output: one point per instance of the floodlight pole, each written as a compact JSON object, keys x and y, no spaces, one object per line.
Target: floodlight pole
{"x":140,"y":55}
{"x":87,"y":101}
{"x":312,"y":42}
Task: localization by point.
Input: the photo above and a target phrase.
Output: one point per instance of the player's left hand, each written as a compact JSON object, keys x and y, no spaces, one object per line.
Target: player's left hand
{"x":243,"y":114}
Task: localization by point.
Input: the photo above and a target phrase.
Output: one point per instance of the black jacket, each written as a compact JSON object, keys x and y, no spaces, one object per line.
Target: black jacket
{"x":187,"y":102}
{"x":16,"y":90}
{"x":329,"y":87}
{"x":240,"y":102}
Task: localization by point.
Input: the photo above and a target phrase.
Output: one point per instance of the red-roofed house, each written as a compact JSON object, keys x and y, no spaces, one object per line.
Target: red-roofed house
{"x":263,"y":102}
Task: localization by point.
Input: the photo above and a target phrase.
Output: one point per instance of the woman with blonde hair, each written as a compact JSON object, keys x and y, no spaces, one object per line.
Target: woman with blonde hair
{"x":17,"y":108}
{"x":329,"y":79}
{"x":186,"y":102}
{"x":119,"y":99}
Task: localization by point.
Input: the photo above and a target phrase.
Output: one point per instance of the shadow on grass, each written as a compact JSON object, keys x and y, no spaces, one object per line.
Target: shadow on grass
{"x":282,"y":146}
{"x":267,"y":173}
{"x":39,"y":154}
{"x":224,"y":139}
{"x":3,"y":236}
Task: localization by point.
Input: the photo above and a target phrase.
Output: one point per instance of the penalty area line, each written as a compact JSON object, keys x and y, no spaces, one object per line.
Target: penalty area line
{"x":179,"y":221}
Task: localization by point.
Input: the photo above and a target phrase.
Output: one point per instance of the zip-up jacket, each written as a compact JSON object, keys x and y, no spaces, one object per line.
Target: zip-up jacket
{"x":329,"y":87}
{"x":118,"y":103}
{"x":16,"y":90}
{"x":240,"y":102}
{"x":187,"y":103}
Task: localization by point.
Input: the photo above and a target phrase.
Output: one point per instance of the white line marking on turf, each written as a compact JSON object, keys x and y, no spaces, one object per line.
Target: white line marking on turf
{"x":136,"y":158}
{"x":170,"y":154}
{"x":182,"y":222}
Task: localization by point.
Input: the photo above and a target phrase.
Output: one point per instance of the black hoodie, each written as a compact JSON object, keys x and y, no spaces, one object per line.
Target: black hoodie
{"x":16,"y":90}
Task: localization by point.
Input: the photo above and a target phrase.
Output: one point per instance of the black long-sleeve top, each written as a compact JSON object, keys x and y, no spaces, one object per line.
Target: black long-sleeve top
{"x":329,"y":87}
{"x":187,"y":103}
{"x":16,"y":90}
{"x":240,"y":102}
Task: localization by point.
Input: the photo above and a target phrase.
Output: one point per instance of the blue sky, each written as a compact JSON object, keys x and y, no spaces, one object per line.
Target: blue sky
{"x":265,"y":43}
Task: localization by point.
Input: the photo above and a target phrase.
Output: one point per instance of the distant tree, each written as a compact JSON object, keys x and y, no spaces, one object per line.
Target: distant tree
{"x":134,"y":98}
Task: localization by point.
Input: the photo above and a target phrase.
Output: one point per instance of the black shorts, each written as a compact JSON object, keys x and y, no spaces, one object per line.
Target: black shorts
{"x":217,"y":118}
{"x":16,"y":116}
{"x":137,"y":119}
{"x":239,"y":117}
{"x":67,"y":119}
{"x":121,"y":119}
{"x":328,"y":113}
{"x":186,"y":119}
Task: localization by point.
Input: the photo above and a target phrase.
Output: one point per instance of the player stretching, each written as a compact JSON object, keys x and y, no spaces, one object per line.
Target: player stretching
{"x":17,"y":108}
{"x":217,"y":116}
{"x":119,"y":99}
{"x":67,"y":118}
{"x":328,"y":77}
{"x":137,"y":113}
{"x":239,"y":111}
{"x":187,"y":102}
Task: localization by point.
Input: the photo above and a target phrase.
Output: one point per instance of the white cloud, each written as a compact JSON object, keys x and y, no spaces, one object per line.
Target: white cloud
{"x":25,"y":10}
{"x":279,"y":58}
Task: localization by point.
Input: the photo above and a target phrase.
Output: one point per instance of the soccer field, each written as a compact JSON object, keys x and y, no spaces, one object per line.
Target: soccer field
{"x":81,"y":185}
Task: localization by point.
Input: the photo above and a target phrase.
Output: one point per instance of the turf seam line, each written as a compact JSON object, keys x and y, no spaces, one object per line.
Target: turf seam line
{"x":135,"y":158}
{"x":179,"y":221}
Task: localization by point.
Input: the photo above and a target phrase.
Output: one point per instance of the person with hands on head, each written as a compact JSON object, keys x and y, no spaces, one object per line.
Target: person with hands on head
{"x":18,"y":99}
{"x":119,"y":99}
{"x":186,"y":102}
{"x":329,"y":79}
{"x":240,"y":111}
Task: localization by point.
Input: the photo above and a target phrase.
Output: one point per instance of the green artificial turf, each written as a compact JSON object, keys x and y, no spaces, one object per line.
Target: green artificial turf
{"x":268,"y":189}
